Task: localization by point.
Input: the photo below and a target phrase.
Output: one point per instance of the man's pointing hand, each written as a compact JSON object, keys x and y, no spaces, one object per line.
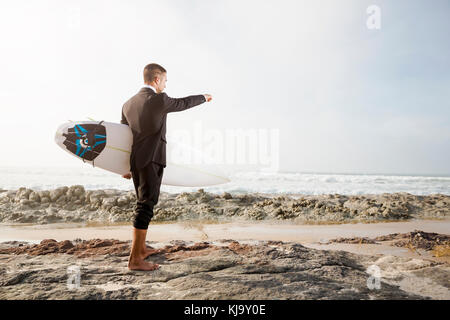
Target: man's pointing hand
{"x":208,"y":97}
{"x":127,"y":175}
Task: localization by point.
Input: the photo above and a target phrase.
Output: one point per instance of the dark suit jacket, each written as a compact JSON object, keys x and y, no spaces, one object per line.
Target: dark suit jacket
{"x":146,"y":114}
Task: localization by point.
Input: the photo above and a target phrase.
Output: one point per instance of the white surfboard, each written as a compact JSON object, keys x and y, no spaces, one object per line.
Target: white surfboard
{"x":107,"y":145}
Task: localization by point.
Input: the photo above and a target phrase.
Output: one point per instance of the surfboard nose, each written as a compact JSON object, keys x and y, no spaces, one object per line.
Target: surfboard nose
{"x":59,"y":134}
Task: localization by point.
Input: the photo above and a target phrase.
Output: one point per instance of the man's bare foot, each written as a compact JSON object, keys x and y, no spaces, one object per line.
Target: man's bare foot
{"x":142,"y":265}
{"x":147,"y":252}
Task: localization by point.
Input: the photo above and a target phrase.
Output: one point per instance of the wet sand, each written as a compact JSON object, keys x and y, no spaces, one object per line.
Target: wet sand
{"x":314,"y":236}
{"x":195,"y":231}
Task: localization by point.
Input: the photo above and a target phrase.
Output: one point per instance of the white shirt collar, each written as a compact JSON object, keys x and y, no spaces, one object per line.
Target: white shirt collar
{"x":149,"y":86}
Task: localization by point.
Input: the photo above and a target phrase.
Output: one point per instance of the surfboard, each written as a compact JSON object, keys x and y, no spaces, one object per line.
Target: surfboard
{"x":107,"y":145}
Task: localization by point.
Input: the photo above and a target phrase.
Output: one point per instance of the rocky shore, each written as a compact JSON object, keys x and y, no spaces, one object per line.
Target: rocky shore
{"x":75,"y":204}
{"x":224,"y":269}
{"x":414,"y":240}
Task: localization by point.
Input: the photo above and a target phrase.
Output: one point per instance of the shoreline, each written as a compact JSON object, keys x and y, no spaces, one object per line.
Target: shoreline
{"x":239,"y":230}
{"x":312,"y":236}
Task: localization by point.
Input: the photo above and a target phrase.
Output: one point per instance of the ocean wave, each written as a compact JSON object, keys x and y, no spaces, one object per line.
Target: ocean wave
{"x":241,"y":182}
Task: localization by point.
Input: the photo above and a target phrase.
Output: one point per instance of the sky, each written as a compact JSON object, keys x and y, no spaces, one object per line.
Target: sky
{"x":329,"y":93}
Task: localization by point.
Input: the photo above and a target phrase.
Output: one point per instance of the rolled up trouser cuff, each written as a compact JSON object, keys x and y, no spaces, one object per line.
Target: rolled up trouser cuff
{"x":143,"y":216}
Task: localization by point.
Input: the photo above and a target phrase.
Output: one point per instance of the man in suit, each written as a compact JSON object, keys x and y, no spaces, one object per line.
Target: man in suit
{"x":146,"y":114}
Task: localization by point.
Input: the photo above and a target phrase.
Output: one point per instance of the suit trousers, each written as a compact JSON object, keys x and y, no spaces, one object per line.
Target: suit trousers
{"x":147,"y":183}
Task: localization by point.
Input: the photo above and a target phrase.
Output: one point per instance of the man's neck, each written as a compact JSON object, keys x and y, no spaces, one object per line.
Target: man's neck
{"x":150,"y":86}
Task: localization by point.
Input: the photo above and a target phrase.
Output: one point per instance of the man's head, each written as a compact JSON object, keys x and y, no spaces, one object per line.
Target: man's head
{"x":156,"y":76}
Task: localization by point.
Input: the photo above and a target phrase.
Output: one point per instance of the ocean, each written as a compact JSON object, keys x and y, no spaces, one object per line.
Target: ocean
{"x":40,"y":178}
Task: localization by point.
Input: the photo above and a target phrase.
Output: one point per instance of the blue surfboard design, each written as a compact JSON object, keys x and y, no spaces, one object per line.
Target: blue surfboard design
{"x":86,"y":141}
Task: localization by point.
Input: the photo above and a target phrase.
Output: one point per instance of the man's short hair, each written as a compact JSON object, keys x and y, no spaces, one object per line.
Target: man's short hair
{"x":151,"y":71}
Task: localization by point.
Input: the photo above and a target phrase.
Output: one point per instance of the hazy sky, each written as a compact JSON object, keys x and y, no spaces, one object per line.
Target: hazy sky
{"x":344,"y":98}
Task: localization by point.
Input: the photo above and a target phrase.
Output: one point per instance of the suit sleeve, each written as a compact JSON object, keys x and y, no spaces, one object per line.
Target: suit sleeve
{"x":180,"y":104}
{"x":124,"y":120}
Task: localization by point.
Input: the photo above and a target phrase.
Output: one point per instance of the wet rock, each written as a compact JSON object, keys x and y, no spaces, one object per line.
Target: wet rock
{"x":256,"y":214}
{"x":23,"y":193}
{"x":4,"y":198}
{"x":25,"y":202}
{"x":123,"y":201}
{"x":58,"y":192}
{"x":114,"y":205}
{"x":412,"y":240}
{"x":204,"y":271}
{"x":26,"y":218}
{"x":34,"y":197}
{"x":76,"y":191}
{"x":108,"y":203}
{"x":44,"y":194}
{"x":61,"y":200}
{"x":231,"y":211}
{"x":227,"y":196}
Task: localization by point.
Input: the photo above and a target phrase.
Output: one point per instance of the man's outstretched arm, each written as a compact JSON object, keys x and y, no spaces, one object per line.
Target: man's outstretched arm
{"x":180,"y":104}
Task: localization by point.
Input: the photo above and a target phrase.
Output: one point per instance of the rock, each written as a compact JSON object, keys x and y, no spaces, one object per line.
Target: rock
{"x":34,"y":196}
{"x":65,"y":245}
{"x":226,"y":196}
{"x":61,"y":200}
{"x":113,"y":205}
{"x":207,"y":271}
{"x":96,"y":197}
{"x":9,"y":194}
{"x":108,"y":203}
{"x":76,"y":191}
{"x":231,"y":211}
{"x":51,"y":210}
{"x":57,"y":193}
{"x":51,"y":218}
{"x":26,"y":218}
{"x":123,"y":201}
{"x":25,"y":202}
{"x":255,"y":214}
{"x":47,"y":241}
{"x":44,"y":194}
{"x":23,"y":193}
